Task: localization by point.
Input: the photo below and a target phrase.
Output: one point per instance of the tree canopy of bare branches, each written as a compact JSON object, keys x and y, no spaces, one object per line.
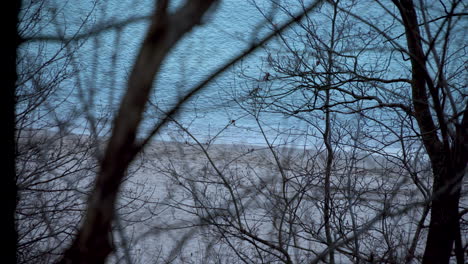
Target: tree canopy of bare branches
{"x":371,"y":170}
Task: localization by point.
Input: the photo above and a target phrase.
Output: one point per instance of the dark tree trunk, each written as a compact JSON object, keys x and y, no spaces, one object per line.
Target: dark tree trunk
{"x":444,"y":222}
{"x":93,"y":243}
{"x":448,"y":155}
{"x":9,"y":190}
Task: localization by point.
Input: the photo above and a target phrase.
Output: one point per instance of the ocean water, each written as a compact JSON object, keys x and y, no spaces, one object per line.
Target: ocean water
{"x":101,"y":65}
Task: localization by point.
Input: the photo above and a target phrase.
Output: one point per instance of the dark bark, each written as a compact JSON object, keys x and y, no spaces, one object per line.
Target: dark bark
{"x":93,"y":242}
{"x":444,"y":222}
{"x":9,"y":191}
{"x":448,"y":159}
{"x":328,"y":142}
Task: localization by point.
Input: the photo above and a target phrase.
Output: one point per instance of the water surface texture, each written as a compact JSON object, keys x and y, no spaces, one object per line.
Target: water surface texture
{"x":102,"y":63}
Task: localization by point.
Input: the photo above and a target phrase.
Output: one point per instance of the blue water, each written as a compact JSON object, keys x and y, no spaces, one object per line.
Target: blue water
{"x":102,"y":64}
